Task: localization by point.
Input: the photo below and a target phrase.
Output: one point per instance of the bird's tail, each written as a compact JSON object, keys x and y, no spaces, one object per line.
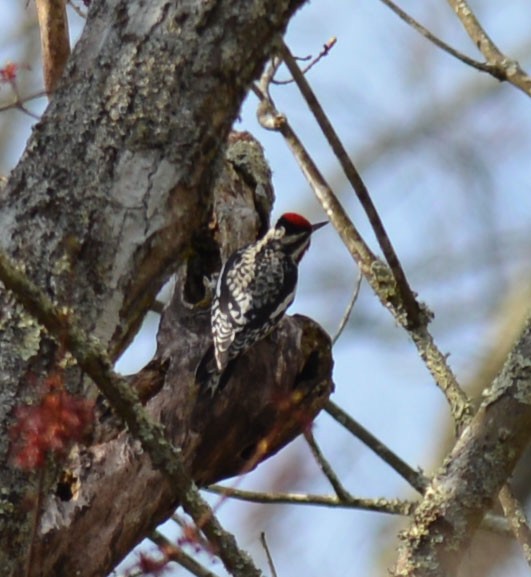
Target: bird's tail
{"x":207,"y":375}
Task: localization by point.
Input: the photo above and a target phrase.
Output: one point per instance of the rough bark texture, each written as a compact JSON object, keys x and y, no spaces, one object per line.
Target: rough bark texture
{"x":465,"y":488}
{"x":219,"y":437}
{"x":112,"y":194}
{"x":110,"y":496}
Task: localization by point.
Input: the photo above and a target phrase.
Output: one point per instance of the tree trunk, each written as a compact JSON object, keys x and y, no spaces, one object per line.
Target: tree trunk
{"x":112,"y":195}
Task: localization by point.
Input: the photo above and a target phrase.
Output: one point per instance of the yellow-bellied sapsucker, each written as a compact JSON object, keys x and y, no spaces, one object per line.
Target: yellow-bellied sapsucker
{"x":255,"y":287}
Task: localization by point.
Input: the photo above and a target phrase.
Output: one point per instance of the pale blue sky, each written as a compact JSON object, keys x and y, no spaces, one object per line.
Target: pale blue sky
{"x":445,"y":153}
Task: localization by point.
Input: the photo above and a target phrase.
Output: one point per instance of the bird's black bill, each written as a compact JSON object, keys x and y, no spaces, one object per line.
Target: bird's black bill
{"x":318,"y":225}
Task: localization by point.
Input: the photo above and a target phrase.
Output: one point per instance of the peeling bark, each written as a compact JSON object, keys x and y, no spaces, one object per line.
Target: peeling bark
{"x":114,"y":192}
{"x":219,"y":437}
{"x":118,"y":497}
{"x":465,"y":488}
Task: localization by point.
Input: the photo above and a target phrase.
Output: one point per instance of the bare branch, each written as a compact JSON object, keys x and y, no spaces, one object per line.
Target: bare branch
{"x":515,"y":514}
{"x":19,"y":103}
{"x":415,"y":318}
{"x":325,"y":467}
{"x":414,"y":478}
{"x":506,"y":69}
{"x":390,"y":506}
{"x":497,"y":64}
{"x":348,"y":310}
{"x":93,"y":359}
{"x":172,"y":552}
{"x":376,"y":272}
{"x":481,"y":66}
{"x":81,"y":13}
{"x":55,"y":42}
{"x":324,"y":52}
{"x":268,"y":555}
{"x":473,"y":474}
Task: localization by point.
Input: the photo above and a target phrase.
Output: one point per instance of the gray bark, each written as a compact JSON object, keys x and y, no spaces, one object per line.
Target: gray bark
{"x":112,"y":195}
{"x":469,"y":481}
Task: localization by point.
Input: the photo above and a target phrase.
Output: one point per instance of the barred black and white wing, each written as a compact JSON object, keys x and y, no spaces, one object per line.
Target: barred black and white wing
{"x":255,"y":287}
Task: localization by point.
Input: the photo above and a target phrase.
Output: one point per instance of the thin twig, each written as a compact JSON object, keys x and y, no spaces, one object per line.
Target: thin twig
{"x":55,"y":40}
{"x":491,"y":522}
{"x":324,"y":52}
{"x":482,"y":66}
{"x":268,"y":555}
{"x":325,"y":467}
{"x":414,"y":478}
{"x":94,"y":361}
{"x":22,"y":108}
{"x":505,"y":68}
{"x":390,"y":506}
{"x":19,"y":103}
{"x":173,"y":552}
{"x":497,"y":64}
{"x":81,"y":13}
{"x":410,"y":304}
{"x":515,"y":515}
{"x":476,"y":32}
{"x":185,"y":526}
{"x":348,"y":310}
{"x":376,"y":272}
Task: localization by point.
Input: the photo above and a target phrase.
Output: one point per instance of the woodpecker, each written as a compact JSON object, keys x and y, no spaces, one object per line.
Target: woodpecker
{"x":255,"y":287}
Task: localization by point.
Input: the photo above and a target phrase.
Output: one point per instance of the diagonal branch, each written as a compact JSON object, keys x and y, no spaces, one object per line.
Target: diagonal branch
{"x":268,"y":555}
{"x":473,"y":474}
{"x":411,"y":306}
{"x":55,"y":42}
{"x":378,"y":275}
{"x":481,"y":66}
{"x":516,"y":516}
{"x":491,"y":522}
{"x":93,"y":359}
{"x":497,"y":64}
{"x":325,"y":467}
{"x":389,"y":506}
{"x":19,"y":102}
{"x":348,"y":311}
{"x":173,"y":552}
{"x":414,"y":478}
{"x":504,"y":67}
